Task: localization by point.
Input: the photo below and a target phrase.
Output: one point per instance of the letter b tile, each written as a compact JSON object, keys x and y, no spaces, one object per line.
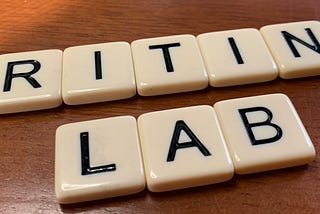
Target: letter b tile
{"x":183,"y":148}
{"x":264,"y":133}
{"x":98,"y":159}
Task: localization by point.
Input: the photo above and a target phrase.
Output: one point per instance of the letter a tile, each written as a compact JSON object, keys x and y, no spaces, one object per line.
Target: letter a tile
{"x":97,"y":73}
{"x":166,"y":65}
{"x":98,"y":159}
{"x":295,"y":47}
{"x":237,"y":57}
{"x":31,"y":81}
{"x":264,"y":133}
{"x":183,"y":148}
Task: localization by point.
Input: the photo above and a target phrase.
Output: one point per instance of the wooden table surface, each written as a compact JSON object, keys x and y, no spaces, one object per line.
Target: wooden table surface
{"x":27,"y":140}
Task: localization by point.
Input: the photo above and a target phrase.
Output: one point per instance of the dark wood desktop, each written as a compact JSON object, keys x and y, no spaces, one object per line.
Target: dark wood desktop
{"x":27,"y":140}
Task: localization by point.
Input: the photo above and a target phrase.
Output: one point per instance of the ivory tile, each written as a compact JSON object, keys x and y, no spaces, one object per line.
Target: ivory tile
{"x":166,"y":65}
{"x":295,"y":47}
{"x":98,"y":159}
{"x":183,"y":148}
{"x":236,"y":57}
{"x":98,"y":73}
{"x":31,"y":81}
{"x":264,"y":133}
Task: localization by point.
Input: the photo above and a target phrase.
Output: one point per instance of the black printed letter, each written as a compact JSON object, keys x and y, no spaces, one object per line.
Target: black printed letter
{"x":85,"y":159}
{"x":249,"y":125}
{"x":97,"y":60}
{"x":166,"y":54}
{"x":10,"y":75}
{"x":175,"y":145}
{"x":289,"y":37}
{"x":235,"y":50}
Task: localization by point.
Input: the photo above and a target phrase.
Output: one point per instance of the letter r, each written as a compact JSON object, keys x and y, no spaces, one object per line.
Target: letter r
{"x":28,"y":75}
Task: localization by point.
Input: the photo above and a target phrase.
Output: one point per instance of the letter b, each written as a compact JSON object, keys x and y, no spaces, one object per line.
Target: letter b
{"x":267,"y":122}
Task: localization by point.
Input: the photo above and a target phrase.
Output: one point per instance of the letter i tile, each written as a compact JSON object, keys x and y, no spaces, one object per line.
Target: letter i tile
{"x":97,"y":73}
{"x":295,"y":47}
{"x":166,"y":65}
{"x":31,"y":81}
{"x":98,"y":159}
{"x":183,"y":148}
{"x":264,"y":133}
{"x":237,"y":57}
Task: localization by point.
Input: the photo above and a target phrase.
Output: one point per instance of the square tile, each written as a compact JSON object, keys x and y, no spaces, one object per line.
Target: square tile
{"x":166,"y":65}
{"x":236,"y":57}
{"x":295,"y":47}
{"x":97,"y":73}
{"x":31,"y":81}
{"x":183,"y":148}
{"x":264,"y":133}
{"x":98,"y":159}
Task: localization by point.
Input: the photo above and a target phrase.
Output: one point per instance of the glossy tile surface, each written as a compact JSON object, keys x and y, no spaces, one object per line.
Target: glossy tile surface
{"x":236,"y":57}
{"x":295,"y":47}
{"x":31,"y":81}
{"x":264,"y":133}
{"x":98,"y":73}
{"x":98,"y":159}
{"x":183,"y":148}
{"x":166,"y":65}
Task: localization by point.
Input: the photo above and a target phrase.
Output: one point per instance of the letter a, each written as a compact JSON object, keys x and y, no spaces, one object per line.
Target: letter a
{"x":175,"y":145}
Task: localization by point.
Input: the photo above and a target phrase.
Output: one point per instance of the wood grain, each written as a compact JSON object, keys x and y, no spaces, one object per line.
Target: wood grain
{"x":27,"y":139}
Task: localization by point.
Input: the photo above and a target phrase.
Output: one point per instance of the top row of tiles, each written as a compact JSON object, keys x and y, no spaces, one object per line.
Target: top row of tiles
{"x":155,"y":66}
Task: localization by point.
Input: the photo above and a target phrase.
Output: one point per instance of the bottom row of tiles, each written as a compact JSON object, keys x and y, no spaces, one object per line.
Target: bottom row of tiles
{"x":180,"y":148}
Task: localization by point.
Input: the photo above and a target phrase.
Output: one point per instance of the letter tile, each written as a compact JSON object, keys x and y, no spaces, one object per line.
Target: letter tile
{"x":98,"y":159}
{"x":183,"y":148}
{"x":236,"y":57}
{"x":168,"y":65}
{"x":97,"y":73}
{"x":295,"y":48}
{"x":264,"y":133}
{"x":31,"y":81}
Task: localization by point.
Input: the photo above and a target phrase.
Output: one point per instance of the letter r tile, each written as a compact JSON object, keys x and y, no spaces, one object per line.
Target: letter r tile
{"x":166,"y":65}
{"x":295,"y":47}
{"x":98,"y":159}
{"x":183,"y":148}
{"x":264,"y":133}
{"x":31,"y":81}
